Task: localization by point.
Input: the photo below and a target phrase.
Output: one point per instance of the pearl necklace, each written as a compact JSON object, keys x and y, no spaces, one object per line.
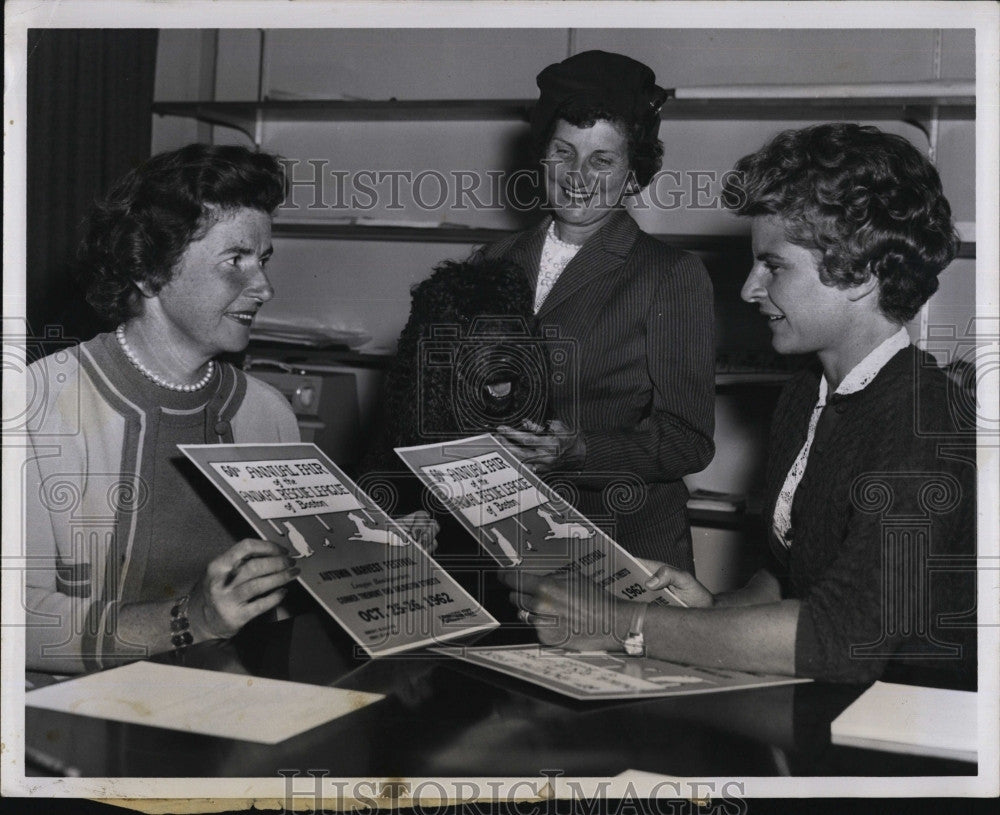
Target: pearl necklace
{"x":156,"y":379}
{"x":559,"y":241}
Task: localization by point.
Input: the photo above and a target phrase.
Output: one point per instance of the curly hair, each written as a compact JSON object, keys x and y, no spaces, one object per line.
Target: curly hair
{"x":869,"y":202}
{"x":645,"y":150}
{"x":474,"y":306}
{"x":136,"y":234}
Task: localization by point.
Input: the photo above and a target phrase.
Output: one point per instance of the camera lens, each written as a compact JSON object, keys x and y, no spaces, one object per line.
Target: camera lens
{"x":500,"y":383}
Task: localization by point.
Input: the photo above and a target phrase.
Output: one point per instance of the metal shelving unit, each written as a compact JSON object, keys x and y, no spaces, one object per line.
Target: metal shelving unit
{"x":323,"y":230}
{"x":248,"y":117}
{"x":245,"y":116}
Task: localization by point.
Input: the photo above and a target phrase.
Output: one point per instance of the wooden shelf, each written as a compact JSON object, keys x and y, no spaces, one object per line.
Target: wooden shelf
{"x":716,"y":519}
{"x":728,"y":379}
{"x":245,"y":116}
{"x":320,"y":230}
{"x":264,"y":355}
{"x":475,"y":235}
{"x":339,"y":110}
{"x":269,"y":355}
{"x":412,"y":234}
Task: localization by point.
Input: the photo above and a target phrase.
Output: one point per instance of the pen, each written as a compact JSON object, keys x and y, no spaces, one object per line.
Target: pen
{"x":50,"y":764}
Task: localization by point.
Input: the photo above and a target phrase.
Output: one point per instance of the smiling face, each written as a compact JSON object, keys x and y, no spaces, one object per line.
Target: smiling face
{"x":586,"y":176}
{"x":218,"y":285}
{"x":804,"y":314}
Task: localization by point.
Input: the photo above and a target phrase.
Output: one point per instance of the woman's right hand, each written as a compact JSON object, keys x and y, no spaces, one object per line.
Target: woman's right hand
{"x":683,"y":585}
{"x":239,"y":585}
{"x":543,"y":448}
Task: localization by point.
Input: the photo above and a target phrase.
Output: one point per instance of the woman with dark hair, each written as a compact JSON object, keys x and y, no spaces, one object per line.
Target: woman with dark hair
{"x":871,"y":477}
{"x":633,"y":410}
{"x":131,"y":552}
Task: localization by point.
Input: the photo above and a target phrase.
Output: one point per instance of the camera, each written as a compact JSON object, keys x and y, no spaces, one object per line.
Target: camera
{"x":40,"y":377}
{"x":493,"y":372}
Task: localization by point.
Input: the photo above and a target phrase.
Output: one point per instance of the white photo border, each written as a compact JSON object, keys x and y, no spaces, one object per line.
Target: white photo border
{"x":20,"y":15}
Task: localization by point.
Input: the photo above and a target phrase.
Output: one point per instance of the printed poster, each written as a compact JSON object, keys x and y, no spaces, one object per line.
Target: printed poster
{"x":357,"y":562}
{"x":520,"y":521}
{"x":597,"y":675}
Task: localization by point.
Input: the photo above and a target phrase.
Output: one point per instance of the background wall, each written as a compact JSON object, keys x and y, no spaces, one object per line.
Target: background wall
{"x":356,"y":284}
{"x":364,"y":285}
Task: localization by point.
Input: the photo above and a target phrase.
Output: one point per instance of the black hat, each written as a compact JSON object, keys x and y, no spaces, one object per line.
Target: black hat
{"x":624,"y":86}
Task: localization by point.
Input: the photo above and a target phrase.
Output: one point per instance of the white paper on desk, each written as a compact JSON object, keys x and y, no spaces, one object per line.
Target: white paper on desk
{"x":911,"y":719}
{"x":233,"y":706}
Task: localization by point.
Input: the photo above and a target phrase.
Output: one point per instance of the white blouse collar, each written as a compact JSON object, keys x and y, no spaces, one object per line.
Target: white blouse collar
{"x":861,"y":375}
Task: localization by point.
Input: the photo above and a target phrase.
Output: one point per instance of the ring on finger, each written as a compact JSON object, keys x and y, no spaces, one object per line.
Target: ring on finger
{"x":524,"y":616}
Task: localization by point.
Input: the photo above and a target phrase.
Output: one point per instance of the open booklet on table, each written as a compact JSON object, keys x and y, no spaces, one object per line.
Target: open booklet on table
{"x":597,"y":675}
{"x":521,"y":521}
{"x":361,"y":566}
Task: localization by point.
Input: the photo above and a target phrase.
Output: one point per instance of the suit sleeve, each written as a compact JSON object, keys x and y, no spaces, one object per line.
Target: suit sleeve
{"x":676,"y":437}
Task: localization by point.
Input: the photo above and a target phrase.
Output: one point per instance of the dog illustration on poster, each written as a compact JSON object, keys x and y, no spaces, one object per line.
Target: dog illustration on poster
{"x":562,"y":530}
{"x":508,"y":548}
{"x":296,"y":538}
{"x":371,"y":534}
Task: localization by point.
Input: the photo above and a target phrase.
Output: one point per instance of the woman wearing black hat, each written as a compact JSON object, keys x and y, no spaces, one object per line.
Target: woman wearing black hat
{"x":639,"y":413}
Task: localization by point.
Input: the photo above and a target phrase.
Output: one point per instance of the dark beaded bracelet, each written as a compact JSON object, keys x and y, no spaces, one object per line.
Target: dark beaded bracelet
{"x":182,"y":640}
{"x":181,"y":636}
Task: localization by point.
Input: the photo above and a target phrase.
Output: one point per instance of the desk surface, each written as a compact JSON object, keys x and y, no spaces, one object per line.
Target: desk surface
{"x":442,"y":717}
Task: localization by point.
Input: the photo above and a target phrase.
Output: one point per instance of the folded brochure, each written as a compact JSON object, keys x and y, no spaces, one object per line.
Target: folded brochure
{"x":358,"y":563}
{"x":521,"y":521}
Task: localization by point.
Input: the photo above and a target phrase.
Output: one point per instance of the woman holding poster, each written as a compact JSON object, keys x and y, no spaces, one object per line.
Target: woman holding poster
{"x":871,"y":479}
{"x":130,"y":552}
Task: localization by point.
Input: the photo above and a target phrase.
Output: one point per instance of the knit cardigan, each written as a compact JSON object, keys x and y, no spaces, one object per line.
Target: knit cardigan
{"x":883,"y":535}
{"x":89,"y":475}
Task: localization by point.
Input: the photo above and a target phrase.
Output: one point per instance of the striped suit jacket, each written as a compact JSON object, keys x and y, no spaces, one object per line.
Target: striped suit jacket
{"x":635,"y":316}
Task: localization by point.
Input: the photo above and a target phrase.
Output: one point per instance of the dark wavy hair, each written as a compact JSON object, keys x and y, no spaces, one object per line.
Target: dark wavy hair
{"x":645,"y":150}
{"x":472,"y":301}
{"x":869,"y":202}
{"x":136,"y":234}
